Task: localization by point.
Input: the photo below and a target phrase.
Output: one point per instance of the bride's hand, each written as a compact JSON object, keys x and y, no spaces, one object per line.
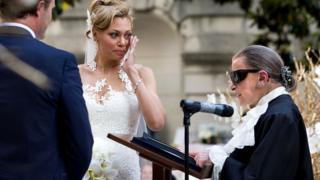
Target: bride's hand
{"x":130,"y":58}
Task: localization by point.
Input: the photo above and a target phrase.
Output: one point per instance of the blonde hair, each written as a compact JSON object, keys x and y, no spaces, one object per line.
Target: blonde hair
{"x":103,"y":12}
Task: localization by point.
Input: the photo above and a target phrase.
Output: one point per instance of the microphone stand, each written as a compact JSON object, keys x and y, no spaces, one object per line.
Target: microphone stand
{"x":186,"y":123}
{"x":190,"y":107}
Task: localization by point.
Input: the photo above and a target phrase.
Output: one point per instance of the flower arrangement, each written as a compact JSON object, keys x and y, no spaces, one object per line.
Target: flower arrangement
{"x":220,"y":133}
{"x":222,"y":98}
{"x":307,"y":96}
{"x":101,"y":164}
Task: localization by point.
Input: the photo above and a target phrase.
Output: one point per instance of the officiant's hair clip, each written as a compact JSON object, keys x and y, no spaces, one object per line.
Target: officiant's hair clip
{"x":286,"y":76}
{"x":264,"y":58}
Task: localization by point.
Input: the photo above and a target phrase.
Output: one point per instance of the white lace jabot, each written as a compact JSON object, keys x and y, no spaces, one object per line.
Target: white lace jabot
{"x":243,"y":135}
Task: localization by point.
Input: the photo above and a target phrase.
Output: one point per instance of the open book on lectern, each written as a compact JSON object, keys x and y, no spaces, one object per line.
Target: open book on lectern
{"x":165,"y":150}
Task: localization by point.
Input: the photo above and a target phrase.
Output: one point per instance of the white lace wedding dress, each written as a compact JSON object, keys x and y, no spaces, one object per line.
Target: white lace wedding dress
{"x":116,"y":112}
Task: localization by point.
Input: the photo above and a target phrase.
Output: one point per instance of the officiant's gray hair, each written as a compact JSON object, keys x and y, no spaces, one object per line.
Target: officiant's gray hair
{"x":102,"y":13}
{"x":15,"y":9}
{"x":265,"y":58}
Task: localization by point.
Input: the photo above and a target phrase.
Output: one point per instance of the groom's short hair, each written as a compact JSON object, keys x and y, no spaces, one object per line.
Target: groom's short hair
{"x":16,"y":9}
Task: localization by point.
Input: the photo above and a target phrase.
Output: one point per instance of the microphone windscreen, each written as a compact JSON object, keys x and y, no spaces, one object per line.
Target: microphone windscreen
{"x":227,"y":111}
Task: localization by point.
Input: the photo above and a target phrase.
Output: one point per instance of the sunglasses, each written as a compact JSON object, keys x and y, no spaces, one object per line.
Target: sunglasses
{"x":239,"y":75}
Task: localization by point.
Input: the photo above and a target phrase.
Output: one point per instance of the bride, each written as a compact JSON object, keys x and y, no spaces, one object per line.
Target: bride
{"x":117,"y":91}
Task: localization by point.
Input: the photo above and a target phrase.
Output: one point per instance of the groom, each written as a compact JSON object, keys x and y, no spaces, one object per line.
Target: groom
{"x":44,"y":133}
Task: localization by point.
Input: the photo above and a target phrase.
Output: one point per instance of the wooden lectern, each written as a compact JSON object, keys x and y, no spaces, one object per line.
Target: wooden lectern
{"x":161,"y":165}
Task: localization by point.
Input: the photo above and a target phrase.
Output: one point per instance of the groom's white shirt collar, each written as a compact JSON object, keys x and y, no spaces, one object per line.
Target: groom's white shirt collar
{"x":19,"y":25}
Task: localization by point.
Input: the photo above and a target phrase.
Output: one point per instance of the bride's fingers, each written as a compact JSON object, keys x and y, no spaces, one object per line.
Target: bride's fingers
{"x":133,"y":43}
{"x":129,"y":57}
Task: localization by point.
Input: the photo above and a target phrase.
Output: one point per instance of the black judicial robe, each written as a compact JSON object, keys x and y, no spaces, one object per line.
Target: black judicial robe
{"x":281,"y":150}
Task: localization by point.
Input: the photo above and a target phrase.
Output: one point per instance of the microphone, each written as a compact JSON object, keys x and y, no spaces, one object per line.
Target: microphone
{"x":195,"y":106}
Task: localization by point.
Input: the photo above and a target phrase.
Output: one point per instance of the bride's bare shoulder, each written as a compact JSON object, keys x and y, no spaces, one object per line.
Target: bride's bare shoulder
{"x":81,"y":66}
{"x":83,"y":69}
{"x":85,"y":73}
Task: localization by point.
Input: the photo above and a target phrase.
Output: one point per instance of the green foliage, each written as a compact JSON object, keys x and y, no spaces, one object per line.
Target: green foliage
{"x":281,"y":19}
{"x":61,"y":6}
{"x":57,"y":10}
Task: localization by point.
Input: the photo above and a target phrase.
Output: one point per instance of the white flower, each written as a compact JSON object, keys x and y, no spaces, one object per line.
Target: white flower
{"x":317,"y":72}
{"x":314,"y":138}
{"x":317,"y":81}
{"x":223,"y":99}
{"x":317,"y":129}
{"x":101,"y":163}
{"x":314,"y":144}
{"x":234,"y":120}
{"x":205,"y":133}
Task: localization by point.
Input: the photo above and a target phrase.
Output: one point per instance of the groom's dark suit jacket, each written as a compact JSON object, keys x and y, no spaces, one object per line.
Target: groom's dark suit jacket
{"x":44,"y":134}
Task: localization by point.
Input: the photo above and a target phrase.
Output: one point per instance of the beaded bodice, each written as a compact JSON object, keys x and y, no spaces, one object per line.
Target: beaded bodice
{"x":116,"y":111}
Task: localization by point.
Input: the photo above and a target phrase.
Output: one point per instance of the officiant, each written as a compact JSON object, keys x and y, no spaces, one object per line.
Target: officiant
{"x":271,"y":143}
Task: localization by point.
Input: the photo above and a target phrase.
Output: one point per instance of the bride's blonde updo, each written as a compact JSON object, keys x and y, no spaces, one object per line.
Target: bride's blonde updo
{"x":102,"y":13}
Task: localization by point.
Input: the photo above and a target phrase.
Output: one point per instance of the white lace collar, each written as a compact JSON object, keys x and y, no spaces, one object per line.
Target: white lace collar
{"x":243,"y":135}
